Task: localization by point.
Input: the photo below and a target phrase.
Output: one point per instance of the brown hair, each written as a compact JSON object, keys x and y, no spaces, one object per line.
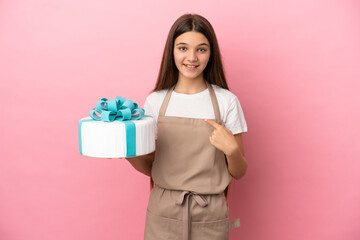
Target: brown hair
{"x":168,"y":73}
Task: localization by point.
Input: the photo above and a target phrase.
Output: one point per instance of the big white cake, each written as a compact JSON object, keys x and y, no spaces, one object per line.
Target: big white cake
{"x":110,"y":140}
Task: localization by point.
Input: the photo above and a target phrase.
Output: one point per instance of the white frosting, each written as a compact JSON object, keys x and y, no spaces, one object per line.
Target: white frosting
{"x":108,"y":139}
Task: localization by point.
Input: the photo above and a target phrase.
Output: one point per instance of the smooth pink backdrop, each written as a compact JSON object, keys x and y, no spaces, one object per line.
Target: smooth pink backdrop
{"x":294,"y":65}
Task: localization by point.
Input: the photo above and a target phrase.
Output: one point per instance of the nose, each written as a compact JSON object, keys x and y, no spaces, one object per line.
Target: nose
{"x":192,"y":57}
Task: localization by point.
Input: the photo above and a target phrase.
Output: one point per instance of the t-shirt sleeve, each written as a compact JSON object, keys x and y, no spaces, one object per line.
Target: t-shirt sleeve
{"x":149,"y":111}
{"x":147,"y":108}
{"x":235,"y":119}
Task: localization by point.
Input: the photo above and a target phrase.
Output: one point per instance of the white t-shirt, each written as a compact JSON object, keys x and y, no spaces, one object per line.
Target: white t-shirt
{"x":199,"y":105}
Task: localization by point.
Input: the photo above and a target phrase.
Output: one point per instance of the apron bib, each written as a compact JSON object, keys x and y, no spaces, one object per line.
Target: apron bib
{"x":190,"y":177}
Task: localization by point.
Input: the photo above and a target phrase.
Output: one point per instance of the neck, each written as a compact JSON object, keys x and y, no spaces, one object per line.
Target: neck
{"x":190,"y":86}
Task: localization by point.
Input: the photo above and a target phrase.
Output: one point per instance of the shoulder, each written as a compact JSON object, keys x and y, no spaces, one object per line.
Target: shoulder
{"x":232,"y":113}
{"x":223,"y":95}
{"x":156,"y":97}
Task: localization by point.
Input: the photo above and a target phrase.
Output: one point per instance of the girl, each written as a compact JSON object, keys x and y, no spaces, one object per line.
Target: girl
{"x":195,"y":157}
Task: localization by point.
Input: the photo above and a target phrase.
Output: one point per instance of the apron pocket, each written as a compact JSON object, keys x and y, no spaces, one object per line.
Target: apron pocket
{"x":162,"y":228}
{"x":212,"y":230}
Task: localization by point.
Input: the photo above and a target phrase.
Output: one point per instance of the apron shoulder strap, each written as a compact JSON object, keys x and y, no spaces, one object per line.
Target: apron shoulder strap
{"x":214,"y":102}
{"x":165,"y":102}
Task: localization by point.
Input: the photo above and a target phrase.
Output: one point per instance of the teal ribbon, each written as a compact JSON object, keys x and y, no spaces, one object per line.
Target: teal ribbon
{"x":117,"y":109}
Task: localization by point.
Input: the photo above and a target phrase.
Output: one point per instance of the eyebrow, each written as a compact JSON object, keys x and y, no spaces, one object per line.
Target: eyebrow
{"x":202,"y":44}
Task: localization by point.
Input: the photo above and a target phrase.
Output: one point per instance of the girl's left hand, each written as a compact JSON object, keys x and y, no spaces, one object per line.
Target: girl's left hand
{"x":222,"y":138}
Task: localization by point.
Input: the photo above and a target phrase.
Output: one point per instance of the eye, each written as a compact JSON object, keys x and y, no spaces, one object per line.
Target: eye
{"x":202,"y":50}
{"x":182,"y":48}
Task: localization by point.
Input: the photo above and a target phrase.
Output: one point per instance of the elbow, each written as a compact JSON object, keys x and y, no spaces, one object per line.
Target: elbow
{"x":240,"y":174}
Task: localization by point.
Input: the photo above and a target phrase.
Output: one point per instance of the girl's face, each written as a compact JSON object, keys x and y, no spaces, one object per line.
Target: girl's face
{"x":191,"y":54}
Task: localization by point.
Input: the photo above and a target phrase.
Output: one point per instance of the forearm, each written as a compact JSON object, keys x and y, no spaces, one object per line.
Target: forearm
{"x":237,"y":164}
{"x":143,"y":163}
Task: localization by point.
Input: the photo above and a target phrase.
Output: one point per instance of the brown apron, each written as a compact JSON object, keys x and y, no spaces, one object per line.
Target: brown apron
{"x":190,"y":175}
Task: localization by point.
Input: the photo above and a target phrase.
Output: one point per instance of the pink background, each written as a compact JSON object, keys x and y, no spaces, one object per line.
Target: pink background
{"x":294,"y":65}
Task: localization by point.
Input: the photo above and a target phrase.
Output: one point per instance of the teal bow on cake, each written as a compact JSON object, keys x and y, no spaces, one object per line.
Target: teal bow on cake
{"x":121,"y":110}
{"x":118,"y":109}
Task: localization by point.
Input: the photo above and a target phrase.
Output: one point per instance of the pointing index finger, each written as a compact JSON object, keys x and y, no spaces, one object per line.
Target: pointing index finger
{"x":212,"y":123}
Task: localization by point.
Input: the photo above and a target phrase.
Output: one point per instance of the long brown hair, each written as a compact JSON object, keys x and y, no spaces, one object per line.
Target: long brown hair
{"x":168,"y":73}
